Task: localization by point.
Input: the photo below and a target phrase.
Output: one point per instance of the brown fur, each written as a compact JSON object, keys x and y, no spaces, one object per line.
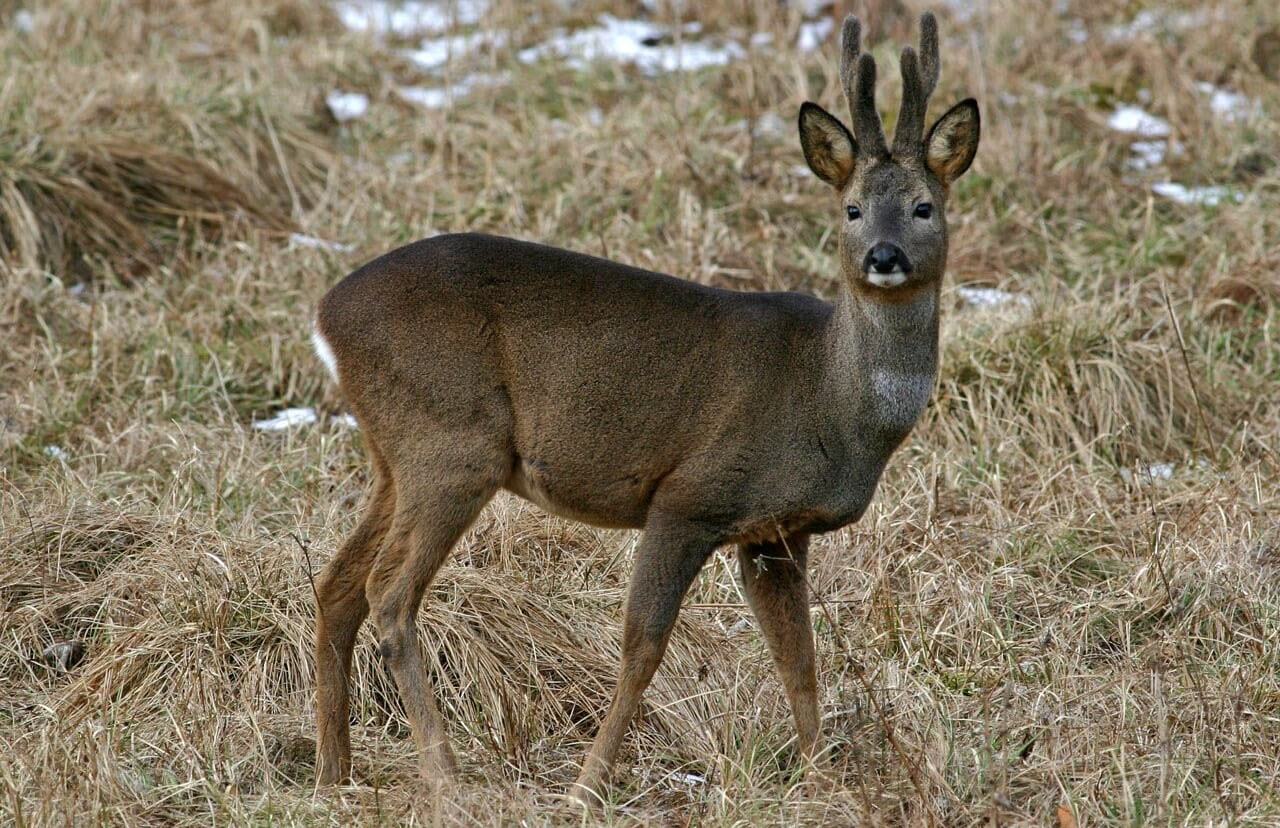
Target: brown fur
{"x":622,"y":398}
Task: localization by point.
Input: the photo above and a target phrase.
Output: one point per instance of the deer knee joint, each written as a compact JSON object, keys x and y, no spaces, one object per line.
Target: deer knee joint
{"x":391,"y":646}
{"x":394,"y":635}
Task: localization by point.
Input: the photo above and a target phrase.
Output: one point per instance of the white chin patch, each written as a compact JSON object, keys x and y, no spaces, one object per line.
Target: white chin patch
{"x":886,"y":280}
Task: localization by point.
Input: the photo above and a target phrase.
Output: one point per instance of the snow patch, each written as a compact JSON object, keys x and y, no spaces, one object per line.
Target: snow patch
{"x":1137,"y":121}
{"x":1147,"y":154}
{"x":1156,"y":21}
{"x":648,"y":47}
{"x":989,"y":297}
{"x":24,"y":21}
{"x":771,"y":126}
{"x":814,"y":34}
{"x":347,"y":106}
{"x":406,"y":19}
{"x":426,"y":97}
{"x":303,"y":240}
{"x":57,"y":453}
{"x":963,"y":10}
{"x":689,"y":779}
{"x":433,"y":53}
{"x":1158,"y":473}
{"x":286,"y":419}
{"x":438,"y":97}
{"x":1228,"y":105}
{"x":813,"y":8}
{"x":1209,"y":196}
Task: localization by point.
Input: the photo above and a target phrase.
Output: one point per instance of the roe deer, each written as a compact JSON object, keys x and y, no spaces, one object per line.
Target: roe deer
{"x":626,"y":398}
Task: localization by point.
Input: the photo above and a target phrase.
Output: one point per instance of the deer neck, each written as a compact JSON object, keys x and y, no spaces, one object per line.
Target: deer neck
{"x":882,"y":363}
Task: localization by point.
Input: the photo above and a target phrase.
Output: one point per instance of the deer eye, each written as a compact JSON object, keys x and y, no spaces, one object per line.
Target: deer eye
{"x":853,"y":212}
{"x":924,"y":211}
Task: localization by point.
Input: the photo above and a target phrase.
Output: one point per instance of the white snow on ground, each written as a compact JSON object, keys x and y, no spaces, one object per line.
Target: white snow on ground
{"x":1228,"y":105}
{"x":988,"y":297}
{"x":57,"y":453}
{"x":1158,"y":473}
{"x":650,"y":48}
{"x":291,"y":418}
{"x":1139,"y":122}
{"x":771,"y":126}
{"x":303,"y":240}
{"x":437,"y":97}
{"x":965,"y":10}
{"x":1155,"y":21}
{"x":1147,"y":154}
{"x":286,"y":419}
{"x":435,"y":52}
{"x":814,"y":34}
{"x":427,"y":97}
{"x":408,"y":18}
{"x":1076,"y":31}
{"x":347,"y":106}
{"x":1208,"y":196}
{"x":689,"y":779}
{"x":813,"y":8}
{"x":24,"y":21}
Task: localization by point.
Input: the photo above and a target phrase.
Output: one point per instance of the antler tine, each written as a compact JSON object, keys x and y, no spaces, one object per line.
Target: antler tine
{"x":858,"y":77}
{"x":867,"y":129}
{"x":919,"y":78}
{"x":929,"y":62}
{"x":850,"y":46}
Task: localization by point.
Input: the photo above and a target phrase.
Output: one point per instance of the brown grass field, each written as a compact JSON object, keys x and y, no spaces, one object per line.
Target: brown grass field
{"x":1061,"y":609}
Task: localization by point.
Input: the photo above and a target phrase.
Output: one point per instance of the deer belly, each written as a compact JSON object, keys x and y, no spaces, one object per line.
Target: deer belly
{"x":620,"y":503}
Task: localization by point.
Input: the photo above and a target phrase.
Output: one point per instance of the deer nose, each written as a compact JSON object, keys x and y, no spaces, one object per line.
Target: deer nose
{"x":885,"y":258}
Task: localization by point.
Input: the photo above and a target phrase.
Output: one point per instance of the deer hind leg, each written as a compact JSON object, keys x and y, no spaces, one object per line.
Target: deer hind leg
{"x":667,"y":560}
{"x":430,"y":517}
{"x":773,"y":576}
{"x":340,"y":610}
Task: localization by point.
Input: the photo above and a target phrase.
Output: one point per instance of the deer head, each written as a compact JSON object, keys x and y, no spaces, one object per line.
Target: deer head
{"x":892,"y":202}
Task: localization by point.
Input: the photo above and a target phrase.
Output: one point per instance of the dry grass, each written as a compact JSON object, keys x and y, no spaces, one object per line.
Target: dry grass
{"x":1026,"y":623}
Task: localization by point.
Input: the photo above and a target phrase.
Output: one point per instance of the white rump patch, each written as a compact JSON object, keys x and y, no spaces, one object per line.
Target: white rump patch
{"x":324,"y":351}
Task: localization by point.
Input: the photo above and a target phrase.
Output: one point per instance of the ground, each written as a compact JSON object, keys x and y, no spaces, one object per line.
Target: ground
{"x":1062,"y":606}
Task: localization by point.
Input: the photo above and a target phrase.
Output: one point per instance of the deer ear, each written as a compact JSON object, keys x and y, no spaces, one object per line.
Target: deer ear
{"x":828,"y":147}
{"x":953,"y":141}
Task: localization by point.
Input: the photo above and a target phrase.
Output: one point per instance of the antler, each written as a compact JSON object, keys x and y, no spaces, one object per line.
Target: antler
{"x":858,"y":77}
{"x":919,"y":79}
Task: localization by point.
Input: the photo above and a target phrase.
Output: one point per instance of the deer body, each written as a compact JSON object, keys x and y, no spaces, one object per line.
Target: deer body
{"x":772,"y":408}
{"x":626,"y":398}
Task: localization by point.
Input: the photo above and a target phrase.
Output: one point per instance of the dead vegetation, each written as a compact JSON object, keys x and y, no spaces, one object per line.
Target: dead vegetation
{"x":1065,"y":599}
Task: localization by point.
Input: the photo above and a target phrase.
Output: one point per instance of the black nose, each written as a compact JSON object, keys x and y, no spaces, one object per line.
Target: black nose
{"x":885,"y":258}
